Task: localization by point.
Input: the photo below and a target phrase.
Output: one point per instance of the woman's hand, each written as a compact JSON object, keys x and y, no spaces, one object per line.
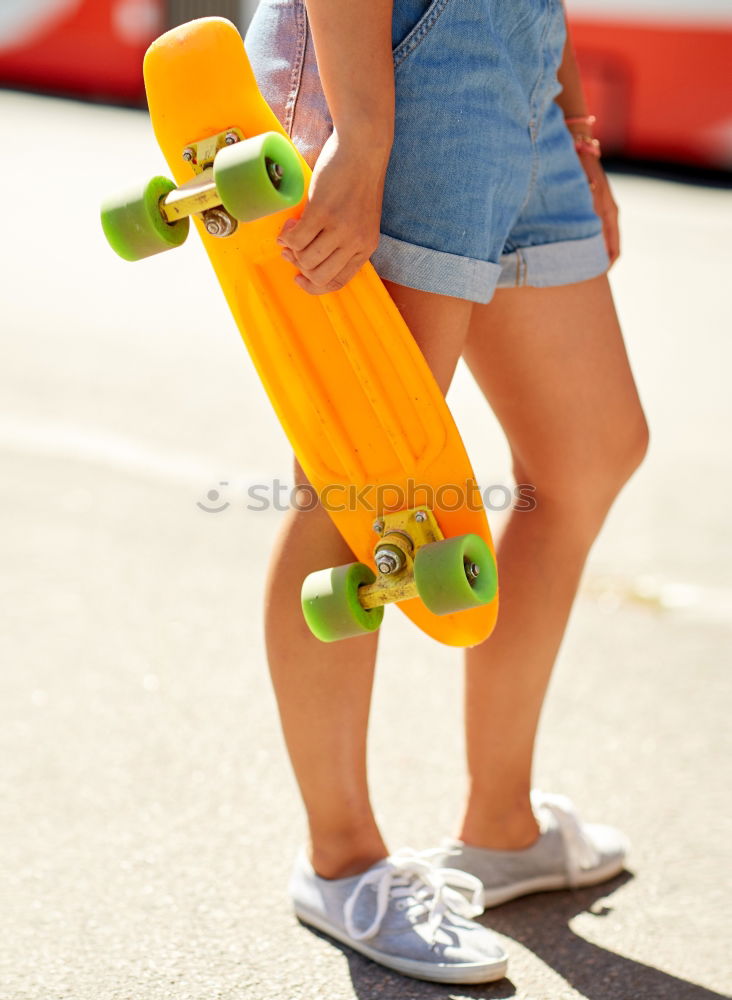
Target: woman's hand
{"x":571,"y":100}
{"x":604,"y":203}
{"x":339,"y":229}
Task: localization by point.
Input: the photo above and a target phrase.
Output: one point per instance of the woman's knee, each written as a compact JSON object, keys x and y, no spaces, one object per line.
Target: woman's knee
{"x":577,"y":481}
{"x":637,"y":444}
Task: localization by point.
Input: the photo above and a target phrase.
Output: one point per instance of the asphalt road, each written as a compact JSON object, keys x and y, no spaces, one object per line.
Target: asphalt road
{"x":147,"y":813}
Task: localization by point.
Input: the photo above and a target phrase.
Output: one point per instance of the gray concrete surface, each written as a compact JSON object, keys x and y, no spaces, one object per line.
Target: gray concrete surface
{"x":147,"y":813}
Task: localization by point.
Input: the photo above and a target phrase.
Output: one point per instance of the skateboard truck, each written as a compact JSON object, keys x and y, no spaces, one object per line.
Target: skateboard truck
{"x":235,"y":179}
{"x":200,"y":196}
{"x":402,"y":533}
{"x":413,"y":560}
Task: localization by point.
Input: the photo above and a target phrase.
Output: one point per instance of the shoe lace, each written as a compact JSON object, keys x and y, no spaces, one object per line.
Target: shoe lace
{"x":410,"y":876}
{"x":579,"y":852}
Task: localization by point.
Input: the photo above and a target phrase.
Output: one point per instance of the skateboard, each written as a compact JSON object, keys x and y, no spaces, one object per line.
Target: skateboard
{"x":346,"y":378}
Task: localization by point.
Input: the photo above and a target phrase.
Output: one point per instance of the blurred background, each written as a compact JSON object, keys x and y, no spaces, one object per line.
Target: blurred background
{"x":657,"y":72}
{"x":148,"y":816}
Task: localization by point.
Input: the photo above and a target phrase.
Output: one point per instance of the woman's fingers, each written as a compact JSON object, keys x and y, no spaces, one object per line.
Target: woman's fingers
{"x":608,"y":211}
{"x":329,"y":261}
{"x":604,"y":205}
{"x":296,"y":234}
{"x":331,"y":269}
{"x":324,"y":262}
{"x":337,"y":279}
{"x":612,"y":237}
{"x":317,"y":252}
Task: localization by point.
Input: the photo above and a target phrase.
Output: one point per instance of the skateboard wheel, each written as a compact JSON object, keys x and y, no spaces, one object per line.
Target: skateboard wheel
{"x":330,"y":603}
{"x":446,"y":577}
{"x":133,"y":225}
{"x":258,"y":176}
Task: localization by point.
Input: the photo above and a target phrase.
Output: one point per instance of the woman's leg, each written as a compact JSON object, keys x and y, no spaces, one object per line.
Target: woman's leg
{"x":553,"y":366}
{"x":324,"y":689}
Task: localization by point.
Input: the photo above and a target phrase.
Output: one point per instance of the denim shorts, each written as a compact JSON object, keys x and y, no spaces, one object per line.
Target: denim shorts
{"x":484,"y":187}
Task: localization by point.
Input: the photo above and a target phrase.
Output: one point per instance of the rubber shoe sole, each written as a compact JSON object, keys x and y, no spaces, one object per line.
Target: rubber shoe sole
{"x":482,"y":972}
{"x":549,"y":883}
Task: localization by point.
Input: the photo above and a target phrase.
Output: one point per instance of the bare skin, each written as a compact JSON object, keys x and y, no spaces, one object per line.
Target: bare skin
{"x":339,"y":229}
{"x":577,"y":438}
{"x":324,"y":722}
{"x":552,"y":364}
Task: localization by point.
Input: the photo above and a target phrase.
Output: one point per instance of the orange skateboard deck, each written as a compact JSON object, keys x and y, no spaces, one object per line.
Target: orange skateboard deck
{"x":346,"y":378}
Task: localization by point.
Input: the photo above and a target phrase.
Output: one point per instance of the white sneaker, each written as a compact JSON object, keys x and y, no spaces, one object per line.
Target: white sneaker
{"x":568,"y":854}
{"x":405,"y":914}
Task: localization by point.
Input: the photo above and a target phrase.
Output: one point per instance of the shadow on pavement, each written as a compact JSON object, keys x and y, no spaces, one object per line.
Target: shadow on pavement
{"x":541,"y":924}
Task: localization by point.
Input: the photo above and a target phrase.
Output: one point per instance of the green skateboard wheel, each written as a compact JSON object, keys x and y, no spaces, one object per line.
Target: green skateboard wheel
{"x":258,"y":176}
{"x":446,"y":577}
{"x":330,"y":603}
{"x":133,"y":225}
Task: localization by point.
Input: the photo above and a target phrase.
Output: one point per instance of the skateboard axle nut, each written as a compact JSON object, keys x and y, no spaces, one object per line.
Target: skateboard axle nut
{"x":274,"y":172}
{"x":389,"y":560}
{"x":218,"y":222}
{"x":472,"y":571}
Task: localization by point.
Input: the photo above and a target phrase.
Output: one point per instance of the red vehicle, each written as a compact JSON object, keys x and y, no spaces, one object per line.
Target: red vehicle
{"x":658,"y":75}
{"x":91,"y":48}
{"x":657,"y":72}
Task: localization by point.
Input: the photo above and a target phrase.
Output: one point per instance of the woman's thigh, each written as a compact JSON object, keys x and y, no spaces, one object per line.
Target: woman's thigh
{"x":439,"y":324}
{"x":552,"y":364}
